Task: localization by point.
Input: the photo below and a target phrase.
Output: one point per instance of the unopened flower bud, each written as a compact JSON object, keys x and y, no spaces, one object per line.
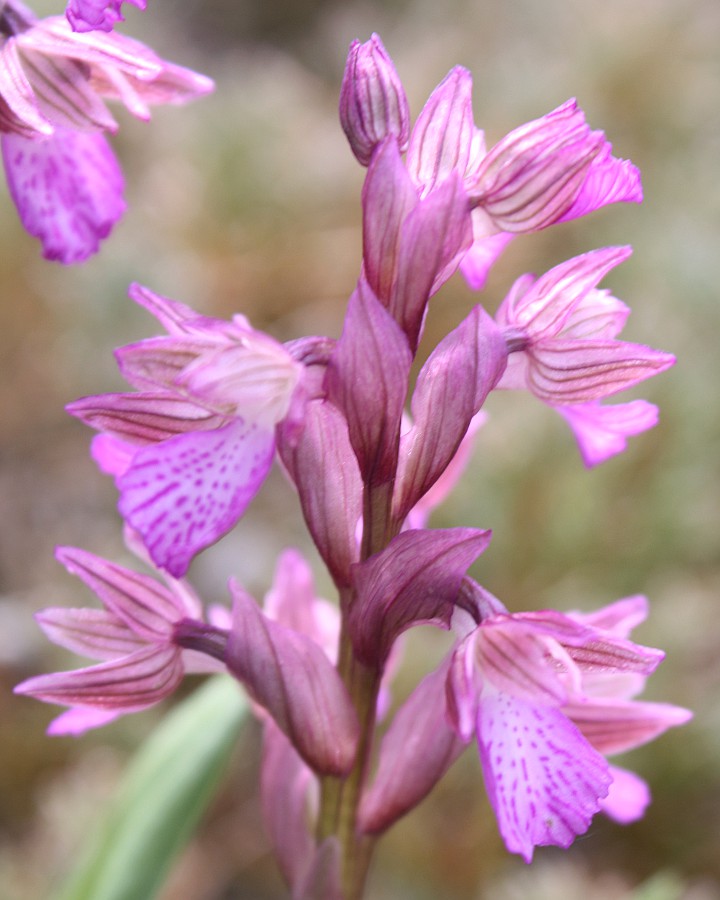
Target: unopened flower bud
{"x":373,"y":104}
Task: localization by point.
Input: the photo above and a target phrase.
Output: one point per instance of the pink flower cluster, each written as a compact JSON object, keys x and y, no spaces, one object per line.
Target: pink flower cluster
{"x":370,"y":451}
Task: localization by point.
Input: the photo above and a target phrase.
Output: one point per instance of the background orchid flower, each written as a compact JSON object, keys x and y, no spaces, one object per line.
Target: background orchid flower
{"x":133,"y":636}
{"x":97,"y":15}
{"x":190,"y":450}
{"x":546,"y":696}
{"x":62,"y":174}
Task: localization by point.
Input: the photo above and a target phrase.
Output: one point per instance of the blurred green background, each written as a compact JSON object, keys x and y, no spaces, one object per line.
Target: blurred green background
{"x":249,"y":201}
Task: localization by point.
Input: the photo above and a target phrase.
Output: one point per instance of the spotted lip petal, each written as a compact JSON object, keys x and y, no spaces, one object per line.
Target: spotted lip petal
{"x":184,"y":493}
{"x":68,"y":190}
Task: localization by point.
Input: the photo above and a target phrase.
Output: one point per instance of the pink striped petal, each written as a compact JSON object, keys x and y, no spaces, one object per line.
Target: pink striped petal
{"x":578,"y":371}
{"x":91,"y":15}
{"x":68,"y":191}
{"x":148,"y":608}
{"x":608,"y":180}
{"x":442,"y":135}
{"x":143,"y":418}
{"x":95,"y":633}
{"x":614,"y":726}
{"x":130,"y":682}
{"x":185,"y":493}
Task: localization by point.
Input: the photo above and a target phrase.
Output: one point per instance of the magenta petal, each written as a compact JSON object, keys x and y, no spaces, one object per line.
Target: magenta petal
{"x":183,"y":494}
{"x":602,"y":431}
{"x":130,"y":682}
{"x":290,"y":675}
{"x":89,"y":15}
{"x":628,"y":798}
{"x":368,"y":380}
{"x":112,"y":456}
{"x":543,"y":779}
{"x":68,"y":190}
{"x":481,"y":256}
{"x":416,"y":751}
{"x":414,"y":580}
{"x":79,"y":719}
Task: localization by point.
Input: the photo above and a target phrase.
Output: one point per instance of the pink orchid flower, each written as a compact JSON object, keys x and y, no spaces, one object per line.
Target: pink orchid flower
{"x":192,"y":447}
{"x":61,"y":172}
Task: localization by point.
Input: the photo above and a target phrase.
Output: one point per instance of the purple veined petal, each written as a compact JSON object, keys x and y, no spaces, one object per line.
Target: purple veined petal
{"x":61,"y":87}
{"x":373,"y":104}
{"x":153,"y":364}
{"x":597,"y":315}
{"x":111,"y":455}
{"x":322,"y":465}
{"x":542,"y":309}
{"x":577,"y":371}
{"x":544,"y":780}
{"x":147,"y":607}
{"x":414,"y":580}
{"x":79,"y":719}
{"x":442,"y":136}
{"x":367,"y":379}
{"x":175,"y":317}
{"x":601,"y":432}
{"x":20,"y":111}
{"x":91,"y":15}
{"x":591,"y":649}
{"x":285,"y":785}
{"x":532,"y":176}
{"x":416,"y":751}
{"x":451,"y":387}
{"x":291,"y":677}
{"x":67,"y":189}
{"x":143,"y":418}
{"x":481,"y":256}
{"x":518,"y":661}
{"x":608,"y":180}
{"x":614,"y":726}
{"x":628,"y":798}
{"x":130,"y":682}
{"x":95,"y":633}
{"x":388,"y":196}
{"x":185,"y":493}
{"x":619,"y":618}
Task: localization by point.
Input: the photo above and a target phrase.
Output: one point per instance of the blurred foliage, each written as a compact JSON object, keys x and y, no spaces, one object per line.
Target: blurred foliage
{"x":249,"y":201}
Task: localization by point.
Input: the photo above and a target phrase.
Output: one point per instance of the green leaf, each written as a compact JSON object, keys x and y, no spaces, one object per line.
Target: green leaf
{"x":165,"y":791}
